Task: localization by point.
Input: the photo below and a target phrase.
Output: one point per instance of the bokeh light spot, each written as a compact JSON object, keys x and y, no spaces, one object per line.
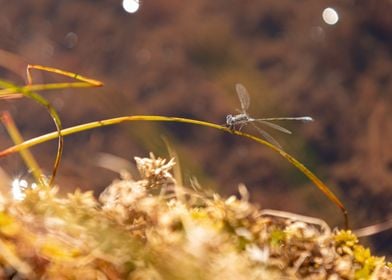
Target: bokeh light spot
{"x":131,"y":6}
{"x":18,"y":187}
{"x":71,"y":39}
{"x":330,"y":16}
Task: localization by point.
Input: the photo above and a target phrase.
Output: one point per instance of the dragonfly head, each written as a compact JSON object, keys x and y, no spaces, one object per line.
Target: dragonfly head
{"x":229,"y":120}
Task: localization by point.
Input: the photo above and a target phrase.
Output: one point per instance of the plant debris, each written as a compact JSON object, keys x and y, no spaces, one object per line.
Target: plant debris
{"x":152,"y":228}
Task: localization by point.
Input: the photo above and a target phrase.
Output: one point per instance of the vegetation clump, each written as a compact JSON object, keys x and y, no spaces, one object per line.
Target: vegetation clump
{"x":154,"y":228}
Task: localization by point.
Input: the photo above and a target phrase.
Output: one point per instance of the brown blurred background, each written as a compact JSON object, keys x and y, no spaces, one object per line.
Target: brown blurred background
{"x":183,"y":58}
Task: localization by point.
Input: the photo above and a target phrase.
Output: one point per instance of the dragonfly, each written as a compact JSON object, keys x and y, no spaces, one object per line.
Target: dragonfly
{"x":242,"y":119}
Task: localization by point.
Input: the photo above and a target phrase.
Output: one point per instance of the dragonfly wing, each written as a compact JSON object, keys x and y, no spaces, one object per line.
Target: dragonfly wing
{"x":273,"y":125}
{"x":266,"y":135}
{"x":243,"y":96}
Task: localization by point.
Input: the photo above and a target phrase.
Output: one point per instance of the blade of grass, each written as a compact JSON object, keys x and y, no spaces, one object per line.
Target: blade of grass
{"x":87,"y":126}
{"x":8,"y":92}
{"x":373,"y":229}
{"x":41,"y":100}
{"x":176,"y":169}
{"x":72,"y":75}
{"x":26,"y":155}
{"x":12,"y":91}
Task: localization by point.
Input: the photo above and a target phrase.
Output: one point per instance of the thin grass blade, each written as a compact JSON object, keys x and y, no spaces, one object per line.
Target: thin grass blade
{"x":26,"y":155}
{"x":52,"y":112}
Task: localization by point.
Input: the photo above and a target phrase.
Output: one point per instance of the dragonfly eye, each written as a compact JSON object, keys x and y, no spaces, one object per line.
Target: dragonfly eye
{"x":229,"y":119}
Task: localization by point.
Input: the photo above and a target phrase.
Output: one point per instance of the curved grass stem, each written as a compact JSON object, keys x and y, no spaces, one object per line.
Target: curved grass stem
{"x":87,"y":126}
{"x":52,"y":112}
{"x":12,"y":91}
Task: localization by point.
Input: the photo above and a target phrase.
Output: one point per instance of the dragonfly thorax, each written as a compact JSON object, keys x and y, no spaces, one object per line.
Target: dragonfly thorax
{"x":236,"y":119}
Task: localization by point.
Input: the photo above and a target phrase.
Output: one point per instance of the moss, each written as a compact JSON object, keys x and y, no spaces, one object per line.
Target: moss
{"x":277,"y":238}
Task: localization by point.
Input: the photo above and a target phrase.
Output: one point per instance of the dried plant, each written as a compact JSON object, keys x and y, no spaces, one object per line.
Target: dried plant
{"x":134,"y":232}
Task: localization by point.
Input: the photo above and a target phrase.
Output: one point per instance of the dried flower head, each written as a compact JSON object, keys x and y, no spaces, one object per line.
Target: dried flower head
{"x":156,"y":171}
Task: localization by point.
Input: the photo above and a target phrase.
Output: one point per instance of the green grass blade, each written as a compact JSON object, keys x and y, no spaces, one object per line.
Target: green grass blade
{"x":26,"y":155}
{"x":41,"y":100}
{"x":89,"y":81}
{"x":44,"y":87}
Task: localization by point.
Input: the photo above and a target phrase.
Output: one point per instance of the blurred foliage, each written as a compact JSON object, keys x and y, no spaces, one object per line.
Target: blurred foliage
{"x":152,"y":228}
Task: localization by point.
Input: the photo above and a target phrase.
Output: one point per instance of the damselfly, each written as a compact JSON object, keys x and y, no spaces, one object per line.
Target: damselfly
{"x":243,"y":118}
